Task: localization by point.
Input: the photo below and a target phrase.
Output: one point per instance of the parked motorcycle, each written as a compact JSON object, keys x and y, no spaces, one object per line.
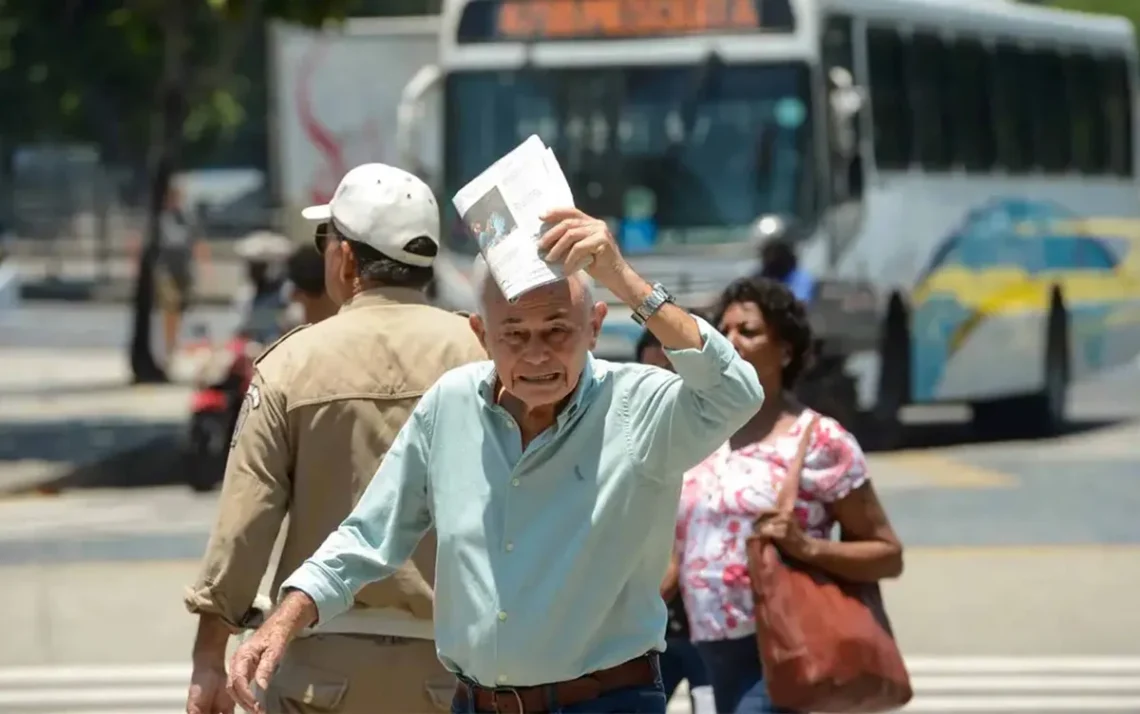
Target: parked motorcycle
{"x":222,"y":377}
{"x":223,"y":371}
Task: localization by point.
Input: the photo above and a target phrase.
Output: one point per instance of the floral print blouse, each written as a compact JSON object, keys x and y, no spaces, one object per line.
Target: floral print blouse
{"x":723,"y":495}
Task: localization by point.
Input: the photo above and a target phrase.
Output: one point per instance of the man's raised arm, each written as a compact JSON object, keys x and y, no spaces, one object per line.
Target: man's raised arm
{"x":673,"y":421}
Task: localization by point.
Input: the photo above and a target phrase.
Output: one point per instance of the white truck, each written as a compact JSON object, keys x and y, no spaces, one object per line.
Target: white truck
{"x":333,"y":103}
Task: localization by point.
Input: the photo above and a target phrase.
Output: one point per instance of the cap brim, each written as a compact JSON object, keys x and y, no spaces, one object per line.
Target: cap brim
{"x":317,"y":213}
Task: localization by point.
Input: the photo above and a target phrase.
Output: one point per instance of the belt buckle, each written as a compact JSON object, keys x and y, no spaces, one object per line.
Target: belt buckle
{"x":513,"y":691}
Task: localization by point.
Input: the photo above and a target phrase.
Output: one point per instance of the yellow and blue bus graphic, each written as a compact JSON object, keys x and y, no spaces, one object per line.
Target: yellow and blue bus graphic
{"x":1001,"y":266}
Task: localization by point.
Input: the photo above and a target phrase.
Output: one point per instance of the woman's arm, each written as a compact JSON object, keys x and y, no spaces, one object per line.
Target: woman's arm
{"x":869,"y":550}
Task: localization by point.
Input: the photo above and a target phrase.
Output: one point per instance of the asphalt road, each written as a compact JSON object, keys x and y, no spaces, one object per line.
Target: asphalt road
{"x":1023,"y":565}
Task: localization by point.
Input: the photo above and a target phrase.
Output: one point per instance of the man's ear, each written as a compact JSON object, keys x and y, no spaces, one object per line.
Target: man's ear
{"x":480,"y":329}
{"x":347,"y":262}
{"x":597,"y":317}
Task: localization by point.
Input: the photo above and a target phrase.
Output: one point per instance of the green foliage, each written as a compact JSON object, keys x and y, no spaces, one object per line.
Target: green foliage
{"x":1125,"y":8}
{"x":90,"y":70}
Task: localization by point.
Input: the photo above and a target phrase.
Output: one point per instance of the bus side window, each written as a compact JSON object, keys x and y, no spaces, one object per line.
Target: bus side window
{"x":1013,"y":113}
{"x":1052,"y":128}
{"x":1090,"y":131}
{"x":1116,"y":95}
{"x":891,"y":109}
{"x":971,"y":105}
{"x":928,"y":75}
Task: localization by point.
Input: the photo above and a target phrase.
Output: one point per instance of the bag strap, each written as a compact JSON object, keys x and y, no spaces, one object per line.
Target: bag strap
{"x":790,"y":489}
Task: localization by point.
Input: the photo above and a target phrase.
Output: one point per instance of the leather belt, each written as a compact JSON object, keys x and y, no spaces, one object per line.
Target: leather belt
{"x":639,"y":672}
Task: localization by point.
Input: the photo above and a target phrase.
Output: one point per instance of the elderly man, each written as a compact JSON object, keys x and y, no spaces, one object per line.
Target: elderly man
{"x":552,"y":481}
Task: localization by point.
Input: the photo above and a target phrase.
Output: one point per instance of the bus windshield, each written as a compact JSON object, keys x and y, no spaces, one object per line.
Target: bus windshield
{"x":675,"y":156}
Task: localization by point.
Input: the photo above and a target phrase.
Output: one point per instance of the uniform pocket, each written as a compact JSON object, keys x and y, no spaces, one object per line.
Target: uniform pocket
{"x":312,"y":687}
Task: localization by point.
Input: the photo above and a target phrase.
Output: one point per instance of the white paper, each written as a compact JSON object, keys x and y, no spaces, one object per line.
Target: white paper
{"x":502,"y":209}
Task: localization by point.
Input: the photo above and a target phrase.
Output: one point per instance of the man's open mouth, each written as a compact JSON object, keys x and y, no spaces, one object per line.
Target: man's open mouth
{"x":539,"y":378}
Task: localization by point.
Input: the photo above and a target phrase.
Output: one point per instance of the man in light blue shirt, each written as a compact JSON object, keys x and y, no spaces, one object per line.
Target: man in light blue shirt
{"x":552,"y":481}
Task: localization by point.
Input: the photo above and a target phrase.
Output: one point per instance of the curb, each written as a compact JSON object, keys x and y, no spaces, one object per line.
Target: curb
{"x":89,"y":292}
{"x":158,"y":462}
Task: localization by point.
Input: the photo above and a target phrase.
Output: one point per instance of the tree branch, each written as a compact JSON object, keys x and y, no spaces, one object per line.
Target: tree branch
{"x":234,"y":38}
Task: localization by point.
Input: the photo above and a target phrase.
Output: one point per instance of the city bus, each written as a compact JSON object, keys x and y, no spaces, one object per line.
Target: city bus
{"x":928,"y":158}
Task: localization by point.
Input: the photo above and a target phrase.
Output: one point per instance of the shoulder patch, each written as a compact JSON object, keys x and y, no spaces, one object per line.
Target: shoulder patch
{"x":251,"y":400}
{"x":280,"y":339}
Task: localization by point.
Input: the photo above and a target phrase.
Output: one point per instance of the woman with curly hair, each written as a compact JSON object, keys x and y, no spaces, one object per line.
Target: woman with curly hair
{"x":737,"y":484}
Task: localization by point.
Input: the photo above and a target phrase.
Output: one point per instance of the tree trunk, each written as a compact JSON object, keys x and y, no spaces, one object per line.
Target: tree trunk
{"x":166,"y":151}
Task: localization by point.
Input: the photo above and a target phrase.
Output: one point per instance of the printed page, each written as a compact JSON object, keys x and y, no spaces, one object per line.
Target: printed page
{"x":502,"y":210}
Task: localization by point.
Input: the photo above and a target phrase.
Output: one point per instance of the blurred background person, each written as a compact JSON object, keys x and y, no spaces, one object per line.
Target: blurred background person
{"x":738,"y":483}
{"x":680,"y":660}
{"x":778,"y":259}
{"x":306,"y":272}
{"x":181,"y":251}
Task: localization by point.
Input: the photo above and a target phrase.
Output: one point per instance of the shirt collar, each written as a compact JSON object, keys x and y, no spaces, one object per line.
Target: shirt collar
{"x":385,"y":296}
{"x":586,"y":384}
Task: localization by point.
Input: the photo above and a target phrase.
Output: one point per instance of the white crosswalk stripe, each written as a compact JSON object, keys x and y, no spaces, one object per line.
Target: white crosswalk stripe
{"x":171,"y":510}
{"x":987,"y":685}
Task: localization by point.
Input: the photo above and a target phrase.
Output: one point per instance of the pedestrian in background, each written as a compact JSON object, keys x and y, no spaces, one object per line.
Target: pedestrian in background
{"x":739,"y":482}
{"x":306,"y":271}
{"x":552,"y":480}
{"x":324,"y":407}
{"x":182,"y":253}
{"x":680,"y":660}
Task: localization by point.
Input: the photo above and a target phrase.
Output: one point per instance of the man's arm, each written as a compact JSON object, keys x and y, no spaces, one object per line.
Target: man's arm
{"x":675,"y":420}
{"x":672,"y":422}
{"x":253,"y":503}
{"x":380,"y":533}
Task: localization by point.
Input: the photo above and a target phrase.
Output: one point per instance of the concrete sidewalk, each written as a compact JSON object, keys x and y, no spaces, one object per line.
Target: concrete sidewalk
{"x":68,"y":410}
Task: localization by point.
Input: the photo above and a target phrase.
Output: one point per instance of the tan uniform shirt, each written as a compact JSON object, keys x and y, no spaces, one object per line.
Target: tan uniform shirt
{"x":324,"y":406}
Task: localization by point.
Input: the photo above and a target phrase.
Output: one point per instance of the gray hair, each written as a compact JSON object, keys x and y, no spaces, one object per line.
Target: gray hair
{"x":481,"y":281}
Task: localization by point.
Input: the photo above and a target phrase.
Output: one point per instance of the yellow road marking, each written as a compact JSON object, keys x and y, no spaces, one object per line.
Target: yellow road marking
{"x":931,"y":469}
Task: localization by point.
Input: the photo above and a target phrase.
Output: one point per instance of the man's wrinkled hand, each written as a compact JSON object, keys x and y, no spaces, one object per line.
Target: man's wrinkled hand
{"x":208,"y":693}
{"x":255,"y":661}
{"x":581,"y":242}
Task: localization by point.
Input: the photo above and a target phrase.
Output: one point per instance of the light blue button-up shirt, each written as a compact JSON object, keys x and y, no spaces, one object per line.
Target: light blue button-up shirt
{"x":550,"y":558}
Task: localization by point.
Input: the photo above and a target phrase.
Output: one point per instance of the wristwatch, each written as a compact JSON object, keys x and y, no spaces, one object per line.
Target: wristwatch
{"x":652,"y":303}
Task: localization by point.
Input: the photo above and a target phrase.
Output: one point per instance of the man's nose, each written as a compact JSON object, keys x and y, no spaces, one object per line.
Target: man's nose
{"x":535,"y":351}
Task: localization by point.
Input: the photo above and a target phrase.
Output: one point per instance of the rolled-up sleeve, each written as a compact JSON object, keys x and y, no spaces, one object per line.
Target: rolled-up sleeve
{"x":384,"y":528}
{"x":252,"y":506}
{"x":674,"y":421}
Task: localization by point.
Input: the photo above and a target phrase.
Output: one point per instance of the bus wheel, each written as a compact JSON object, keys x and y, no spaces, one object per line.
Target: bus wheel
{"x":881,"y":428}
{"x":1044,"y":413}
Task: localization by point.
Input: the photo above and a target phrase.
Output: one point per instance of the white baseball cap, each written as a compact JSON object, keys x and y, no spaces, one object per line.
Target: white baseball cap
{"x":383,"y":207}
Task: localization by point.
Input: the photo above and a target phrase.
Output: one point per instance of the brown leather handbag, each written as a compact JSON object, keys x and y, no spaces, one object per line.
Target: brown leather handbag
{"x":826,"y":645}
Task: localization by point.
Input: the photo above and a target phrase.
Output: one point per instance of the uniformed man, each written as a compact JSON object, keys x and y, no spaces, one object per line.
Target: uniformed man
{"x":322,"y":410}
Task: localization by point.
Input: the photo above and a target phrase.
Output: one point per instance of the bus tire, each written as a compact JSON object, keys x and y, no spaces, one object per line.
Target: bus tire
{"x":881,"y":428}
{"x":1045,"y":412}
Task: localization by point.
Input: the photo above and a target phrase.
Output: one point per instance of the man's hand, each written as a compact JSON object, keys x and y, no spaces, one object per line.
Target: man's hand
{"x":580,"y":242}
{"x":208,"y":691}
{"x":255,"y":662}
{"x":260,"y":656}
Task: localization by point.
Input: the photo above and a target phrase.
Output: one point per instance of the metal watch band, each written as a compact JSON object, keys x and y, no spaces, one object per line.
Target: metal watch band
{"x":651,"y":304}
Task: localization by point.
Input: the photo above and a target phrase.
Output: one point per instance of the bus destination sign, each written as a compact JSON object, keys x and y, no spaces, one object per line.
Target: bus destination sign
{"x":612,"y":19}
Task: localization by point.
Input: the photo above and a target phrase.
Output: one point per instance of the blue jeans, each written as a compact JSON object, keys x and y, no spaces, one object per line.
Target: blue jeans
{"x":649,"y":699}
{"x":737,"y":680}
{"x":680,"y":660}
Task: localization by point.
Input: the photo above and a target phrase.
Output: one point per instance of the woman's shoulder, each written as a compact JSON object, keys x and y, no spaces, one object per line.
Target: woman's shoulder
{"x":834,"y":463}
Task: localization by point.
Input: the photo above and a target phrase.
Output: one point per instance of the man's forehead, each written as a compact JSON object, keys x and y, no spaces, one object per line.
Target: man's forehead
{"x":549,"y":302}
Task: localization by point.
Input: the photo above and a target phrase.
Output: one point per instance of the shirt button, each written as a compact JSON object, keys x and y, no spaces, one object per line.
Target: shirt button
{"x":510,"y":547}
{"x":514,"y":482}
{"x":502,"y":616}
{"x":502,"y":679}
